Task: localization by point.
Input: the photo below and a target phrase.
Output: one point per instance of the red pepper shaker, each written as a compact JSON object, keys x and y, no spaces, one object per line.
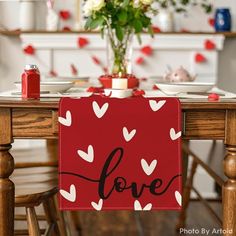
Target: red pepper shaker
{"x":30,"y":82}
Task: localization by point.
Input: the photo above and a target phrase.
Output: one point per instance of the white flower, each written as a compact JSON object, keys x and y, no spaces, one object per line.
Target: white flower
{"x":97,"y":4}
{"x":88,"y":8}
{"x":136,"y":3}
{"x":146,"y":2}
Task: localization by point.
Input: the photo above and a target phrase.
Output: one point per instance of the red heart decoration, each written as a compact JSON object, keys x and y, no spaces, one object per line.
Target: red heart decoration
{"x":183,"y":30}
{"x":66,"y":28}
{"x":138,"y":93}
{"x":147,"y":50}
{"x":209,"y":45}
{"x":213,"y":97}
{"x":156,"y":29}
{"x":65,"y":14}
{"x":53,"y":73}
{"x":82,"y":42}
{"x":30,"y":50}
{"x":74,"y":70}
{"x":200,"y":58}
{"x":96,"y":60}
{"x":139,"y":60}
{"x":211,"y":22}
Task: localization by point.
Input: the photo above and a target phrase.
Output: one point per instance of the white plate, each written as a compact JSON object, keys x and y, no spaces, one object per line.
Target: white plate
{"x":184,"y":87}
{"x":52,"y":87}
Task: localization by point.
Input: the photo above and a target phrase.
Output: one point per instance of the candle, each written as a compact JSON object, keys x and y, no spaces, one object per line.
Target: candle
{"x":120,"y":83}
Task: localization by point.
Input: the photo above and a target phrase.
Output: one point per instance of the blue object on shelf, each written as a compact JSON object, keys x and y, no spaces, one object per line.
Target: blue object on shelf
{"x":222,"y":20}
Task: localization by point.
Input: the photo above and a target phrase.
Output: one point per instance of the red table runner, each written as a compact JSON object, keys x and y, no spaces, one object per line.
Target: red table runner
{"x":120,"y":153}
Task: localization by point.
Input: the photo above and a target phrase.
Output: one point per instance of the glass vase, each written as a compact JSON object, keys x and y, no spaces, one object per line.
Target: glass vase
{"x":119,"y":52}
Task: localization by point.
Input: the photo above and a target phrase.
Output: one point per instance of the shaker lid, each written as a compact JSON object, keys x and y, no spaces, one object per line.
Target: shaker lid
{"x":31,"y":67}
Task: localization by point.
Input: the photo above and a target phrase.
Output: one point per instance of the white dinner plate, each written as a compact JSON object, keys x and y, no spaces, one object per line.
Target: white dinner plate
{"x":184,"y":87}
{"x":52,"y":87}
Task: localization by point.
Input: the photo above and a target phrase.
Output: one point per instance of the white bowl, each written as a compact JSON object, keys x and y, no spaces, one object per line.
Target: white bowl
{"x":118,"y":93}
{"x":52,"y":87}
{"x":184,"y":87}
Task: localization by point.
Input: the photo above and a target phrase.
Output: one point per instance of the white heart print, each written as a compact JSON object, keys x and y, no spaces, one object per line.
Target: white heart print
{"x":148,"y":169}
{"x":128,"y":135}
{"x":156,"y":105}
{"x":100,"y":111}
{"x":178,"y":198}
{"x":138,"y":207}
{"x":174,"y":135}
{"x":87,"y":156}
{"x":97,"y":206}
{"x":71,"y":195}
{"x":66,"y":121}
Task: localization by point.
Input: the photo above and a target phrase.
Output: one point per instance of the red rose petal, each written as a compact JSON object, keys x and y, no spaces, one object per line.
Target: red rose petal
{"x":139,"y":60}
{"x":147,"y":50}
{"x":213,"y":97}
{"x":30,"y":50}
{"x":65,"y":14}
{"x":105,"y":70}
{"x":209,"y":45}
{"x":74,"y":70}
{"x":200,"y":58}
{"x":183,"y":30}
{"x":82,"y":42}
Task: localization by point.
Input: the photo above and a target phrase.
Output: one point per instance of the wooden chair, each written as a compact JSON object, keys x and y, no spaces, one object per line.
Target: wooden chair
{"x":36,"y":181}
{"x":196,"y":161}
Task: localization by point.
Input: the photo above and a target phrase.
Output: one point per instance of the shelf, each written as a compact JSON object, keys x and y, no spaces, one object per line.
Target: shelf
{"x":18,"y":33}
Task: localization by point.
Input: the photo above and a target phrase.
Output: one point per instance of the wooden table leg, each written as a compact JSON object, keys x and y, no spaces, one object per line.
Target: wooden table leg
{"x":229,"y":188}
{"x":7,"y":189}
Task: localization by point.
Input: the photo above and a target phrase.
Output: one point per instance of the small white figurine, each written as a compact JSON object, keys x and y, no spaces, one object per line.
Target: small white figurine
{"x":52,"y":17}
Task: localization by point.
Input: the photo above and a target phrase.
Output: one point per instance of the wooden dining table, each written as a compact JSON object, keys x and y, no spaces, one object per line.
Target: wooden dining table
{"x":38,"y":119}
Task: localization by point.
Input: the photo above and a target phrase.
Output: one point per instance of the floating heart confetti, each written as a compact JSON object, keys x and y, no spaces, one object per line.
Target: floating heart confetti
{"x":30,"y":50}
{"x":147,"y":50}
{"x":200,"y":58}
{"x":74,"y":70}
{"x":213,"y":97}
{"x":105,"y":70}
{"x":53,"y":73}
{"x":96,"y":60}
{"x":156,"y":29}
{"x":65,"y":14}
{"x":183,"y":30}
{"x":82,"y":42}
{"x":66,"y":28}
{"x":139,"y":60}
{"x":138,"y":93}
{"x":211,"y":22}
{"x":209,"y":45}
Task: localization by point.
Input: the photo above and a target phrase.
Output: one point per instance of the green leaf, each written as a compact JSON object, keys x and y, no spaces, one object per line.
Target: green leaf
{"x":138,"y":26}
{"x":119,"y":33}
{"x":122,"y":17}
{"x":88,"y":23}
{"x":95,"y":23}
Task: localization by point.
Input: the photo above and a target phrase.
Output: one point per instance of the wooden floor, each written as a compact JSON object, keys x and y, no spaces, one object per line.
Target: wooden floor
{"x":153,"y":223}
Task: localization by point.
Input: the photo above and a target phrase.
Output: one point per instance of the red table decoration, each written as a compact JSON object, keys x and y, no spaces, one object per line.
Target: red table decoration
{"x":118,"y":154}
{"x":200,"y":58}
{"x":82,"y":42}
